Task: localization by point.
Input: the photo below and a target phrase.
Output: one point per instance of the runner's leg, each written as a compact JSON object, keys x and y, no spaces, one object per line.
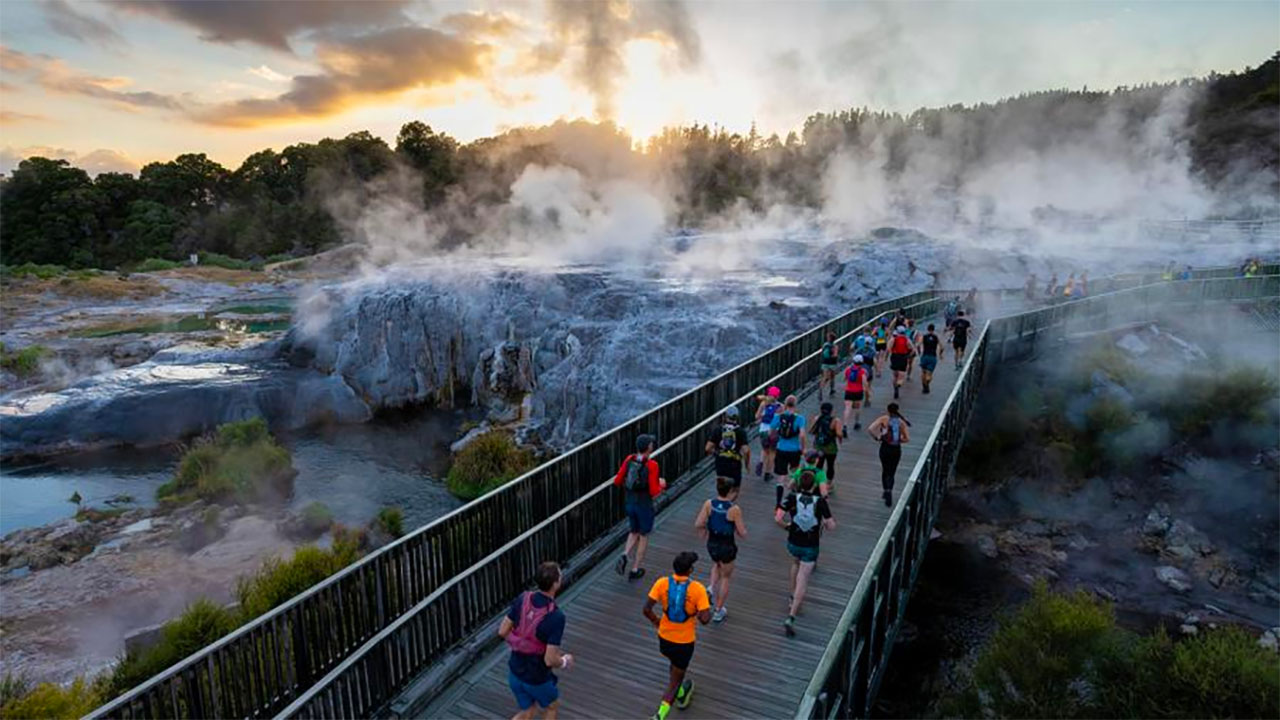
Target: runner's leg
{"x":803,"y":571}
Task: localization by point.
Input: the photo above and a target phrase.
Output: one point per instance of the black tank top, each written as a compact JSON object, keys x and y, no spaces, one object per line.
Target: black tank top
{"x":930,"y":344}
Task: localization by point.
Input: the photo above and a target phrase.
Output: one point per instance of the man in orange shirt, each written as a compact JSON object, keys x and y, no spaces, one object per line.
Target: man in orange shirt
{"x":638,"y":477}
{"x":683,"y":601}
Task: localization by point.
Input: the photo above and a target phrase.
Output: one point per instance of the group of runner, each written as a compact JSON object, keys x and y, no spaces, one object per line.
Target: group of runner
{"x":1073,"y":289}
{"x":797,"y":455}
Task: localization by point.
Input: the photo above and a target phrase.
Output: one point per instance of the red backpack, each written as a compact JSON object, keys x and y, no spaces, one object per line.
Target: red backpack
{"x":523,"y":638}
{"x":901,"y":345}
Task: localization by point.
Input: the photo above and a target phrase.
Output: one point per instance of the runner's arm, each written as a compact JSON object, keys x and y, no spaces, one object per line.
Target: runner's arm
{"x":739,"y":524}
{"x":702,"y":603}
{"x":555,"y":658}
{"x":700,"y":523}
{"x":804,"y":441}
{"x":654,"y":618}
{"x":906,"y":435}
{"x":711,"y":447}
{"x":505,"y":627}
{"x":873,"y":429}
{"x":829,"y":523}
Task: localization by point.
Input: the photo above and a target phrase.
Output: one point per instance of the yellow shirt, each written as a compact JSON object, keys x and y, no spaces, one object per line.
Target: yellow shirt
{"x":695,"y":600}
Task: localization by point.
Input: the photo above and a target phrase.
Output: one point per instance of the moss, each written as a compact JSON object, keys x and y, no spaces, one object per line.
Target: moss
{"x":25,"y":362}
{"x":487,"y":462}
{"x":391,"y":521}
{"x":241,"y":463}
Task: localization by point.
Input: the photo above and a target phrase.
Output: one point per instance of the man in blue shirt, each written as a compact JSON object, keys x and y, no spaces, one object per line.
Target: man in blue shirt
{"x":534,"y":628}
{"x":788,"y":427}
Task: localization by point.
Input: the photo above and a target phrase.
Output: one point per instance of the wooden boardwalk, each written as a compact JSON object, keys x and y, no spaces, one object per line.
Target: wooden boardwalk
{"x":745,"y":666}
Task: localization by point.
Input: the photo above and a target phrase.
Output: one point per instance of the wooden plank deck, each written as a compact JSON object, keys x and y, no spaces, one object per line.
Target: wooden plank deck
{"x":745,"y":666}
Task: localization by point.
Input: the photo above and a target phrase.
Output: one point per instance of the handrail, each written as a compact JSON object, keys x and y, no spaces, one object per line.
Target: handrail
{"x":847,"y":677}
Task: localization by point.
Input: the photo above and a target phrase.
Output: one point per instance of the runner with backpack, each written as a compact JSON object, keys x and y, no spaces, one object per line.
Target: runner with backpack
{"x":857,"y":388}
{"x":900,"y":351}
{"x":804,"y":514}
{"x":682,"y":601}
{"x":769,"y":407}
{"x":729,"y":444}
{"x":863,"y":344}
{"x":812,"y":458}
{"x":931,"y":350}
{"x":891,"y":430}
{"x":829,"y":360}
{"x":638,"y":477}
{"x":720,"y":521}
{"x":881,"y":336}
{"x":960,"y":337}
{"x":534,"y":629}
{"x":788,"y":428}
{"x":828,"y":433}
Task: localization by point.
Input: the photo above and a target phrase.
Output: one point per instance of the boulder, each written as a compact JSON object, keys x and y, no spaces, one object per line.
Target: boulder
{"x":1133,"y":345}
{"x":1174,"y":578}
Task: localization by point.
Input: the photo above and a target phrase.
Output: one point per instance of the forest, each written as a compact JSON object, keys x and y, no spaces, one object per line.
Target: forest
{"x":284,"y":204}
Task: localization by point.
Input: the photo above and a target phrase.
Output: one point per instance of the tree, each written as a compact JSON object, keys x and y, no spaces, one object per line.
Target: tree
{"x":433,"y":155}
{"x":48,"y":214}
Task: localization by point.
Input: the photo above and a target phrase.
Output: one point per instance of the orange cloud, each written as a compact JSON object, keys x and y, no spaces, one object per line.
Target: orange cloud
{"x":9,"y":117}
{"x":54,"y":75}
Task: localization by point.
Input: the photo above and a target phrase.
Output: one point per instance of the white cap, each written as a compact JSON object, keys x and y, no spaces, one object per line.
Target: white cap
{"x":857,"y":359}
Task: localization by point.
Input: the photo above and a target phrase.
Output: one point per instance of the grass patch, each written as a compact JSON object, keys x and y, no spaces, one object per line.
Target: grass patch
{"x":156,"y":265}
{"x":212,"y":259}
{"x":391,"y":521}
{"x":489,"y":461}
{"x":24,"y":363}
{"x":240,"y":463}
{"x":32,"y":270}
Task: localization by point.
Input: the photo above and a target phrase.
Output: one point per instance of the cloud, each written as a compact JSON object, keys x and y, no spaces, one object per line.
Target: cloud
{"x":597,"y":33}
{"x":9,"y":117}
{"x":54,"y":75}
{"x":268,"y":74}
{"x":270,"y":23}
{"x":66,"y":20}
{"x":481,"y":24}
{"x":380,"y":63}
{"x":94,"y":163}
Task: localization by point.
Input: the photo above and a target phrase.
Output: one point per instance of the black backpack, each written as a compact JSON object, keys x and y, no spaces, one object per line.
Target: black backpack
{"x":787,"y":426}
{"x":828,"y":352}
{"x":637,"y":479}
{"x":823,"y":431}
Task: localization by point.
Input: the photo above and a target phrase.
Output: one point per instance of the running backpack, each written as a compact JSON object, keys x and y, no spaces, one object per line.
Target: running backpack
{"x":805,"y":517}
{"x":828,"y":352}
{"x":769,"y":411}
{"x":901,"y":345}
{"x":892,"y":433}
{"x":523,"y":638}
{"x":637,"y":480}
{"x":823,"y":430}
{"x":853,"y":377}
{"x":718,"y":522}
{"x":787,"y":426}
{"x":729,"y":443}
{"x":677,"y":592}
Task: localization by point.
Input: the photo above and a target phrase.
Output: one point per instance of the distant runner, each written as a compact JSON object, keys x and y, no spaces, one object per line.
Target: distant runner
{"x":960,"y":337}
{"x":682,"y":600}
{"x":804,"y":514}
{"x":534,"y":629}
{"x":864,"y":344}
{"x":788,"y":427}
{"x":812,"y":458}
{"x":951,"y":310}
{"x":1082,"y":287}
{"x":900,"y":351}
{"x":638,"y":477}
{"x":829,"y":362}
{"x":930,"y":348}
{"x":881,"y":336}
{"x":857,"y":389}
{"x":828,"y":433}
{"x":1051,"y":290}
{"x":1029,"y":292}
{"x":769,"y":406}
{"x":912,"y":336}
{"x":729,"y":444}
{"x":891,"y":431}
{"x":720,"y":521}
{"x":1070,"y":288}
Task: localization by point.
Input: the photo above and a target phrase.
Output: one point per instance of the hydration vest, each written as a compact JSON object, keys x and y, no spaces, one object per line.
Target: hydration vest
{"x":828,"y":352}
{"x":769,"y":410}
{"x":892,"y":434}
{"x":854,"y":378}
{"x":823,"y":431}
{"x":637,"y":480}
{"x":806,"y":516}
{"x":677,"y":593}
{"x":901,"y":345}
{"x":523,"y":638}
{"x":787,"y":426}
{"x":718,"y":522}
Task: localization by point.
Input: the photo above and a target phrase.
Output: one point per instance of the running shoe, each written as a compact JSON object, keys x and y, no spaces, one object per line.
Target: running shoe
{"x":760,"y":468}
{"x":620,"y":567}
{"x":663,"y":709}
{"x":789,"y":625}
{"x":845,"y":432}
{"x":720,"y":615}
{"x":888,"y":499}
{"x":711,"y":598}
{"x":635,"y":574}
{"x":684,"y":693}
{"x":857,"y":426}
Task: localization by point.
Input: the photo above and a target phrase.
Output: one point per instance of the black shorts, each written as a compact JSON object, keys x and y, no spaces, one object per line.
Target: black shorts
{"x":898,"y":362}
{"x":678,"y":653}
{"x":784,"y":461}
{"x":881,"y":346}
{"x":733,"y":471}
{"x":830,"y":367}
{"x":960,"y":344}
{"x":853,"y":396}
{"x":722,"y":549}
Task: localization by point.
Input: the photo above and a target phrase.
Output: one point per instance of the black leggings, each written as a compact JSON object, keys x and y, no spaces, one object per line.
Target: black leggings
{"x":828,"y":462}
{"x":890,"y":456}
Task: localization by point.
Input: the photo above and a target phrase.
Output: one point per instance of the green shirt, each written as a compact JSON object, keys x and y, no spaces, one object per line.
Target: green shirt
{"x":819,"y":476}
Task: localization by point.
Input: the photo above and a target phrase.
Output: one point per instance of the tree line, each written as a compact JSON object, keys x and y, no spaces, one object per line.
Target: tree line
{"x":280,"y":204}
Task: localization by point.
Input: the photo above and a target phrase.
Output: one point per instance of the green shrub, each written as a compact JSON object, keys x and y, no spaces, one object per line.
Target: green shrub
{"x":241,"y":463}
{"x":489,"y":461}
{"x":54,"y":702}
{"x":156,"y":265}
{"x":317,"y":518}
{"x":43,"y":272}
{"x":279,"y":580}
{"x":25,"y":362}
{"x":1223,"y":673}
{"x":1239,"y":395}
{"x":391,"y":521}
{"x":213,"y":259}
{"x":200,"y":624}
{"x":12,"y":687}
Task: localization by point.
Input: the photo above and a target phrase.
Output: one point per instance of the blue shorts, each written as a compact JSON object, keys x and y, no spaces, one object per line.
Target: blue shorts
{"x":527,"y":695}
{"x":640,"y":517}
{"x":803,"y":554}
{"x":928,"y":362}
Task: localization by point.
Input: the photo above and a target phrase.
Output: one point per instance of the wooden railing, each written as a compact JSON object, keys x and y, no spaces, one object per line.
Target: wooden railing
{"x":849,"y":674}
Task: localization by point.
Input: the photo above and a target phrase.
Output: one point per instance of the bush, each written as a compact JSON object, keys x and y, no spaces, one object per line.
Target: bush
{"x":43,"y":272}
{"x":241,"y":463}
{"x":391,"y":521}
{"x":52,"y":701}
{"x":489,"y":461}
{"x":213,"y":259}
{"x":25,"y":362}
{"x":156,"y":265}
{"x":12,"y":687}
{"x":1239,"y":395}
{"x":200,"y":624}
{"x":316,"y":518}
{"x":279,"y":580}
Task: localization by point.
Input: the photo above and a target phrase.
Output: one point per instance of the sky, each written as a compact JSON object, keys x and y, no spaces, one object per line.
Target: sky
{"x":112,"y":86}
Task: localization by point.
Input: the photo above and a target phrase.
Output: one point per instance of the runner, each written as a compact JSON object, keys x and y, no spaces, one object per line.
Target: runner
{"x":971,"y":300}
{"x":641,"y":488}
{"x":1050,"y":290}
{"x":1029,"y":292}
{"x":900,"y":351}
{"x":881,"y":336}
{"x":930,"y":349}
{"x":805,"y":514}
{"x":828,"y":433}
{"x":960,"y":337}
{"x":857,"y":388}
{"x":864,"y":344}
{"x":811,"y":462}
{"x":951,"y":310}
{"x":1069,"y":289}
{"x":534,"y":629}
{"x":788,"y":427}
{"x":720,"y":521}
{"x":732,"y":449}
{"x":891,"y":431}
{"x":683,"y":601}
{"x":769,"y":406}
{"x":1168,"y":272}
{"x":830,"y":360}
{"x":1082,"y":287}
